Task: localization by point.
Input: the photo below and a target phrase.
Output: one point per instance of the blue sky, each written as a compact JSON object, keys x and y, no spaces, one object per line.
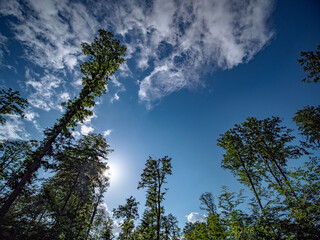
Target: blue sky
{"x":194,"y":69}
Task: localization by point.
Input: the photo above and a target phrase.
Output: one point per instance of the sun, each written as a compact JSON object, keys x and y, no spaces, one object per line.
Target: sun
{"x":115,"y":172}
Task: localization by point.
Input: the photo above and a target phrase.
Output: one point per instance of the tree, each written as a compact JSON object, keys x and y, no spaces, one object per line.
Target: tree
{"x":129,"y":212}
{"x":14,"y":159}
{"x":105,"y":56}
{"x":267,"y":148}
{"x":153,"y":178}
{"x":308,"y":119}
{"x":170,"y":227}
{"x":310,"y":62}
{"x":308,"y":122}
{"x":107,"y":233}
{"x":212,"y":227}
{"x":207,"y":202}
{"x":234,"y":219}
{"x":307,"y":183}
{"x":67,"y":205}
{"x":240,"y":159}
{"x":11,"y":103}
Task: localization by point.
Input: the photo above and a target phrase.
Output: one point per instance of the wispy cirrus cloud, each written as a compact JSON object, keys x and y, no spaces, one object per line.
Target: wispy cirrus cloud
{"x":170,"y":43}
{"x":13,"y":128}
{"x":3,"y":41}
{"x":180,"y":40}
{"x":50,"y":32}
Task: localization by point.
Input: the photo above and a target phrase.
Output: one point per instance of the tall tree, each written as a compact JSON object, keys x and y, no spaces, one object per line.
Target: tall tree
{"x":129,"y":213}
{"x":308,"y":122}
{"x":308,"y":119}
{"x":11,"y":103}
{"x":105,"y":56}
{"x":272,"y":147}
{"x":153,"y":178}
{"x":67,"y":205}
{"x":14,"y":159}
{"x":310,"y":61}
{"x":241,"y":161}
{"x":170,"y":227}
{"x":107,"y":233}
{"x":207,"y":203}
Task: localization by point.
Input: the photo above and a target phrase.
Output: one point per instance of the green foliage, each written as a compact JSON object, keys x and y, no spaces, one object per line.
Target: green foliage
{"x":207,"y":203}
{"x":257,"y":152}
{"x":105,"y":55}
{"x":11,"y":103}
{"x":241,"y":160}
{"x":310,"y":62}
{"x":129,"y":213}
{"x":106,"y":233}
{"x":170,"y":227}
{"x":308,"y":122}
{"x":14,"y":159}
{"x":68,"y":204}
{"x":153,"y":178}
{"x":212,"y":228}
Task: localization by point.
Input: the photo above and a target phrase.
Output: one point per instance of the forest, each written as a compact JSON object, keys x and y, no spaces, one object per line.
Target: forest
{"x":284,"y":203}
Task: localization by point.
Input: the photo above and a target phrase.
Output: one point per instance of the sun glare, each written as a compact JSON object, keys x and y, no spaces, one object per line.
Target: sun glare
{"x":116,"y":172}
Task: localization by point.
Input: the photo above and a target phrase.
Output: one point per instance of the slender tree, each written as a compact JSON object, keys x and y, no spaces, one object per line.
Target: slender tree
{"x":67,"y":205}
{"x":207,"y":203}
{"x":241,"y":161}
{"x":129,"y":213}
{"x":170,"y":227}
{"x":105,"y":56}
{"x":153,"y":178}
{"x":271,"y":144}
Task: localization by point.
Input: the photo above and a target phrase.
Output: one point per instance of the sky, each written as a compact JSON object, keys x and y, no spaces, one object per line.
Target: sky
{"x":194,"y":69}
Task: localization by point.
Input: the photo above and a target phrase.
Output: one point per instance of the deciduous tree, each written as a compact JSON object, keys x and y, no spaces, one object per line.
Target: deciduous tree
{"x":153,"y":178}
{"x":105,"y":55}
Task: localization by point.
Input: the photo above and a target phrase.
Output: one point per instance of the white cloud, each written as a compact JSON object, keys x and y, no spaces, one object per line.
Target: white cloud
{"x":85,"y":130}
{"x":13,"y":128}
{"x":51,"y":32}
{"x":115,"y":98}
{"x":182,"y":39}
{"x":30,"y":116}
{"x":43,"y":90}
{"x":107,"y":132}
{"x":89,"y":118}
{"x":173,"y":42}
{"x":3,"y":41}
{"x":195,"y":217}
{"x":104,"y":206}
{"x":116,"y":226}
{"x":76,"y":134}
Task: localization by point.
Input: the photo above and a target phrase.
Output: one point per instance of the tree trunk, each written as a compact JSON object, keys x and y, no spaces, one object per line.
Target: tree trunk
{"x":281,"y":171}
{"x":40,"y":153}
{"x":71,"y":190}
{"x":251,"y":183}
{"x":159,"y":205}
{"x":93,"y":215}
